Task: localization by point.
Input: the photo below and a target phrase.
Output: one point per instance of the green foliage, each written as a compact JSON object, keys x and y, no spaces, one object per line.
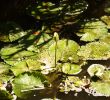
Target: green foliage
{"x":96,"y":70}
{"x":71,"y":69}
{"x":92,"y":30}
{"x":95,"y":51}
{"x":10,"y":31}
{"x":26,"y":82}
{"x":34,"y":60}
{"x":101,"y":87}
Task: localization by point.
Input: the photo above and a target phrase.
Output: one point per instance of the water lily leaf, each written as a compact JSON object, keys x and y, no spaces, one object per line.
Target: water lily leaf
{"x":4,"y":72}
{"x":47,"y":61}
{"x":69,"y":68}
{"x":106,"y":19}
{"x":65,"y":50}
{"x":107,"y":8}
{"x":106,"y":38}
{"x":106,"y":75}
{"x":13,"y":54}
{"x":92,"y":30}
{"x":4,"y":68}
{"x":96,"y":69}
{"x":44,"y":13}
{"x":26,"y":82}
{"x":10,"y":31}
{"x":101,"y":88}
{"x":95,"y":51}
{"x":5,"y":78}
{"x":43,"y":41}
{"x":33,"y":64}
{"x":19,"y":68}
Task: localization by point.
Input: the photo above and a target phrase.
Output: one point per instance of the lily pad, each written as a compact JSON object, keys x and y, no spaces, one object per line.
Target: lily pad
{"x":96,"y":69}
{"x":4,"y":68}
{"x":101,"y":88}
{"x":95,"y":51}
{"x":10,"y":31}
{"x":72,"y":69}
{"x":19,"y":68}
{"x":106,"y":19}
{"x":92,"y":30}
{"x":33,"y":64}
{"x":65,"y":50}
{"x":14,"y":54}
{"x":23,"y":84}
{"x":106,"y":38}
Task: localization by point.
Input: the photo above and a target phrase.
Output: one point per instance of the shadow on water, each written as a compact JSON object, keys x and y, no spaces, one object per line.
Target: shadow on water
{"x":70,"y":96}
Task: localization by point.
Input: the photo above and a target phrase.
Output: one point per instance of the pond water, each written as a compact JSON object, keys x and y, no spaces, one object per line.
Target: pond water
{"x":70,"y":96}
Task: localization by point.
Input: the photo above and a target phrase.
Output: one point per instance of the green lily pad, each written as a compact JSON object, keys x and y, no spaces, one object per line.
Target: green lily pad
{"x":33,"y":64}
{"x":96,"y":69}
{"x":4,"y":72}
{"x":14,"y":54}
{"x":65,"y":50}
{"x":19,"y":68}
{"x":101,"y":88}
{"x":4,"y":68}
{"x":10,"y":31}
{"x":23,"y":84}
{"x":95,"y":51}
{"x":47,"y":61}
{"x":92,"y":30}
{"x":106,"y":19}
{"x":106,"y":38}
{"x":69,"y":68}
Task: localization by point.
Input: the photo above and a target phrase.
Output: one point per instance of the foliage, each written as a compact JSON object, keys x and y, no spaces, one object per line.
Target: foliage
{"x":38,"y":60}
{"x":92,"y":30}
{"x":28,"y":81}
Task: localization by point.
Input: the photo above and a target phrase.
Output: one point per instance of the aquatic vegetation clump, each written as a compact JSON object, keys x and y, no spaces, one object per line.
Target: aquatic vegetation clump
{"x":92,"y":30}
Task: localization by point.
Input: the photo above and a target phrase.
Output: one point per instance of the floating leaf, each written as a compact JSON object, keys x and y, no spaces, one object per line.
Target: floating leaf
{"x":101,"y":88}
{"x":10,"y":31}
{"x":4,"y":72}
{"x":61,"y":50}
{"x":43,"y":41}
{"x":65,"y":50}
{"x":106,"y":38}
{"x":26,"y":82}
{"x":69,"y":68}
{"x":47,"y":61}
{"x":19,"y":68}
{"x":96,"y":69}
{"x":4,"y":68}
{"x":95,"y":51}
{"x":33,"y":64}
{"x":13,"y":54}
{"x":92,"y":30}
{"x":106,"y":19}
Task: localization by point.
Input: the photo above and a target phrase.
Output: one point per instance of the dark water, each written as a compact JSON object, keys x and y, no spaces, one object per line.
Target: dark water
{"x":70,"y":96}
